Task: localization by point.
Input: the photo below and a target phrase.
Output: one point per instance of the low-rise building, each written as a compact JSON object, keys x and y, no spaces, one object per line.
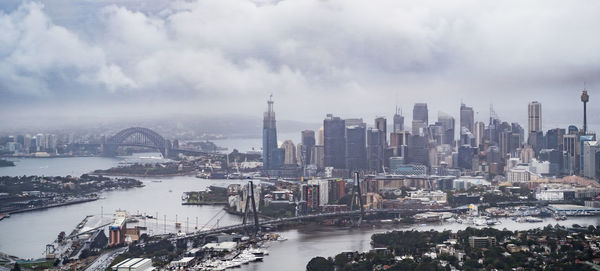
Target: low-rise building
{"x":481,"y":242}
{"x":134,"y":264}
{"x":182,"y":263}
{"x":434,"y":197}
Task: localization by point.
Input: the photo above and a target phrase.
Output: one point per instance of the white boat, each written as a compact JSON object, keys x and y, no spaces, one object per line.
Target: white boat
{"x":203,"y":175}
{"x":533,"y":219}
{"x":491,"y":223}
{"x":236,"y":263}
{"x":258,"y":251}
{"x":480,"y":222}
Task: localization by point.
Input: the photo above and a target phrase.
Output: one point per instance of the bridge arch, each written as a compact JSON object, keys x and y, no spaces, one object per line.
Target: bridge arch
{"x":139,"y":136}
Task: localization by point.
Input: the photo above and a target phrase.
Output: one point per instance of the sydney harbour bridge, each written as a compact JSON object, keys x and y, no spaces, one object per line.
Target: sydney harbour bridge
{"x":146,"y":138}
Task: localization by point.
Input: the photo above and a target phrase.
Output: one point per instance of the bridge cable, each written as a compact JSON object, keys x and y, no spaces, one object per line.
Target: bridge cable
{"x":214,"y":216}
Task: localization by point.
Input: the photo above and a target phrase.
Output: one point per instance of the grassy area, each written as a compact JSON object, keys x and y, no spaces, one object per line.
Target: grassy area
{"x":216,"y":195}
{"x":36,"y":265}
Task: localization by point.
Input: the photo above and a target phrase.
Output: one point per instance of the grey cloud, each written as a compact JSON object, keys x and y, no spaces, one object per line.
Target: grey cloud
{"x":35,"y":52}
{"x":232,"y":54}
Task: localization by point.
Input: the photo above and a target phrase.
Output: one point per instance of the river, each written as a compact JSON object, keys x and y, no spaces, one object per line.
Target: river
{"x":25,"y":235}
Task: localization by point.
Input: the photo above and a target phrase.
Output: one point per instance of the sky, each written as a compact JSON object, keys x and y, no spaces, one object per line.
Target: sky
{"x":65,"y":61}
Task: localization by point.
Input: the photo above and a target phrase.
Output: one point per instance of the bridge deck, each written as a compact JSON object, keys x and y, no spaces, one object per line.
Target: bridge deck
{"x":310,"y":216}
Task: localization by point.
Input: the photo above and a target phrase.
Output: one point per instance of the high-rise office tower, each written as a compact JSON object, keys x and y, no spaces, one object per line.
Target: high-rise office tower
{"x":591,"y":157}
{"x":465,"y":157}
{"x":318,"y":156}
{"x":582,"y":139}
{"x":398,"y":139}
{"x":354,"y":122}
{"x":535,"y":135}
{"x":52,"y":141}
{"x":467,"y":118}
{"x":308,"y":142}
{"x":321,"y":137}
{"x":505,"y":142}
{"x":398,"y":121}
{"x":334,"y":137}
{"x":356,"y":153}
{"x":381,"y":125}
{"x":534,"y":117}
{"x":40,"y":142}
{"x":269,"y":137}
{"x":301,"y":158}
{"x":554,"y":138}
{"x":420,"y":118}
{"x":517,"y":129}
{"x":375,"y":150}
{"x":435,"y":132}
{"x":420,"y":112}
{"x":570,"y":161}
{"x":479,"y":133}
{"x":447,"y":122}
{"x":418,"y":153}
{"x":290,"y":152}
{"x":27,"y":143}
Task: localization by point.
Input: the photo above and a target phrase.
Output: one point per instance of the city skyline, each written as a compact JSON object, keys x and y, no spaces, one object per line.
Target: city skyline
{"x":299,"y":135}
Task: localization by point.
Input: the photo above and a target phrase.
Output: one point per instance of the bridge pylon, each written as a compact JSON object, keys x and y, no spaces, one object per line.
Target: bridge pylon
{"x":357,"y":196}
{"x":250,"y":200}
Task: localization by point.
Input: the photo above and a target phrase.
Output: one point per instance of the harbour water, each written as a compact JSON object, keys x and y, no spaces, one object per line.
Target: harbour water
{"x":304,"y":244}
{"x":26,"y":234}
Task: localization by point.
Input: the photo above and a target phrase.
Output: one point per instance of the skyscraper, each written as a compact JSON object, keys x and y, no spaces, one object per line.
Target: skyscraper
{"x":479,"y":133}
{"x":399,"y":138}
{"x":301,"y":158}
{"x":334,"y":137}
{"x":591,"y":157}
{"x":554,"y":138}
{"x":308,"y":141}
{"x":447,"y":122}
{"x":467,"y":117}
{"x":318,"y":156}
{"x":534,"y":117}
{"x":398,"y":122}
{"x":356,"y":153}
{"x":418,"y":153}
{"x":420,"y":118}
{"x":290,"y":152}
{"x":374,"y":150}
{"x":321,"y":137}
{"x":381,"y":125}
{"x":269,"y":137}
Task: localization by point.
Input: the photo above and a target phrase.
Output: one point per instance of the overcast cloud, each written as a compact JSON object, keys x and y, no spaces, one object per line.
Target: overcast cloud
{"x":350,"y":58}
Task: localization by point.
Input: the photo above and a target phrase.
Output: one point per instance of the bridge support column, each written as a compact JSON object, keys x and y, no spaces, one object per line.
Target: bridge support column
{"x":356,"y":193}
{"x":250,"y":200}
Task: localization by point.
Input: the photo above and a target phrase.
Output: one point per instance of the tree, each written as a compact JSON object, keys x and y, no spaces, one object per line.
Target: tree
{"x":341,"y":260}
{"x":319,"y":264}
{"x":16,"y":267}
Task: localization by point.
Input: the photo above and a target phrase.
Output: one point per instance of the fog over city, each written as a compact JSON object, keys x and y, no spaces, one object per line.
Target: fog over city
{"x":82,"y":62}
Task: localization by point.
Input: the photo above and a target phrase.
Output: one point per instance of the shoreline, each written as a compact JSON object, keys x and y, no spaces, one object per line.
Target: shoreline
{"x":205,"y":203}
{"x":140,"y":175}
{"x":53,"y":205}
{"x":51,"y":156}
